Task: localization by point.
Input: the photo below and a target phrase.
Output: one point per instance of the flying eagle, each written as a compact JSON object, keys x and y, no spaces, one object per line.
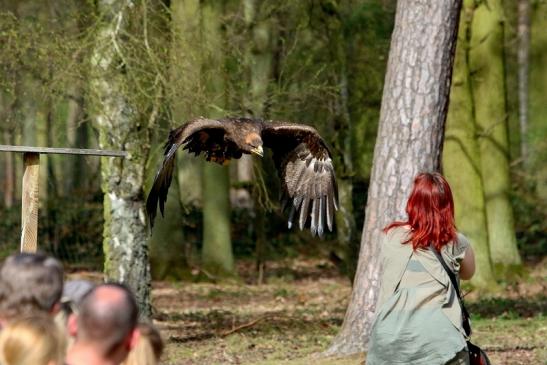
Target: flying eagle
{"x":301,"y":157}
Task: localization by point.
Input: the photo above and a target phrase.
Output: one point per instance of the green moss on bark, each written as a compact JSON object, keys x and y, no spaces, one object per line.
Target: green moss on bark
{"x":461,"y":159}
{"x":486,"y":62}
{"x":217,"y":257}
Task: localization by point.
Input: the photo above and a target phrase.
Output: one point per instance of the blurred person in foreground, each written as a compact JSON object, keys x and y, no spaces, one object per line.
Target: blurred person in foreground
{"x":149,"y":346}
{"x":105,"y":326}
{"x":30,"y":282}
{"x":418,"y":317}
{"x":73,"y":293}
{"x":31,"y":340}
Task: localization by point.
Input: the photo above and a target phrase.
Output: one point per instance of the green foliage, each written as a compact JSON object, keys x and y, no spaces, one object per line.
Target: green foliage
{"x":530,"y":215}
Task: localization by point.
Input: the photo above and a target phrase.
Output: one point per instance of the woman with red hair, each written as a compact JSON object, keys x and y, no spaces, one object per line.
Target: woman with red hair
{"x":418,"y":316}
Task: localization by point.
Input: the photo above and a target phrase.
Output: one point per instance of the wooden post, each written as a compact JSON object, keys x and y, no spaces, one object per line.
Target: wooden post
{"x":30,"y":202}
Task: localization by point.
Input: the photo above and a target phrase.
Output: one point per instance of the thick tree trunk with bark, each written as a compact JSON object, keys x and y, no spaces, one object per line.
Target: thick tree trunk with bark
{"x":120,"y":128}
{"x":486,"y":62}
{"x":414,"y":107}
{"x":461,"y":158}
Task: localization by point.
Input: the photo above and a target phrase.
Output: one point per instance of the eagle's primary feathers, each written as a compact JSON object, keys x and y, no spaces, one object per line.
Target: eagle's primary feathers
{"x":301,"y":157}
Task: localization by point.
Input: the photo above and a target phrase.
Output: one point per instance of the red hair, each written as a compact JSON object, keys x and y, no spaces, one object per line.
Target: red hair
{"x":430,"y":210}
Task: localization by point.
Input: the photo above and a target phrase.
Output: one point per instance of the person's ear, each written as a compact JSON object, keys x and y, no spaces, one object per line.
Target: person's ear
{"x":134,"y":339}
{"x":56,"y":308}
{"x":72,"y":325}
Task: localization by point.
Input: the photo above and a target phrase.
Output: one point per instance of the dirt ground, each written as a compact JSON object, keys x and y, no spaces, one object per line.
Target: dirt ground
{"x":293,"y":317}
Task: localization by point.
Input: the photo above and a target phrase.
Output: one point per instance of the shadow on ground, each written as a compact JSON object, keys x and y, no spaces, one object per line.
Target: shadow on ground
{"x":509,"y":308}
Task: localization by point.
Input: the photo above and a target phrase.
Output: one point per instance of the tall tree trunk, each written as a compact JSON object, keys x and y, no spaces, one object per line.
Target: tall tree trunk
{"x":217,"y":256}
{"x":259,"y":55}
{"x":73,"y":134}
{"x":9,"y":172}
{"x":538,"y":106}
{"x":83,"y":171}
{"x":167,"y":244}
{"x":345,"y":221}
{"x":120,"y":128}
{"x":486,"y":62}
{"x":8,"y":165}
{"x":461,"y":158}
{"x":186,"y":100}
{"x":167,"y":259}
{"x":414,"y":107}
{"x":342,"y":127}
{"x":523,"y":55}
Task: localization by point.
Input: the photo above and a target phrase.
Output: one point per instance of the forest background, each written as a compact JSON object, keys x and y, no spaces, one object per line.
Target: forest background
{"x":121,"y":74}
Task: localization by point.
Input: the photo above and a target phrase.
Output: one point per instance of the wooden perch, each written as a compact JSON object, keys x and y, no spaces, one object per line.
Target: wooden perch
{"x":29,"y":210}
{"x":63,"y":151}
{"x":31,"y":177}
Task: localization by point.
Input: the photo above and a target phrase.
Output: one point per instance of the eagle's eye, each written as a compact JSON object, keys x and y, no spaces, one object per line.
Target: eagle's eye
{"x":255,"y":143}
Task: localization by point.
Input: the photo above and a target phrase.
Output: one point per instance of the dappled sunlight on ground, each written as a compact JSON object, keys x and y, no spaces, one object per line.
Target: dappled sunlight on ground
{"x":294,"y":315}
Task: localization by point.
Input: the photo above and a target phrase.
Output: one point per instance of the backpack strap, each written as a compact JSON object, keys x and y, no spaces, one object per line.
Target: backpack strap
{"x":465,"y":314}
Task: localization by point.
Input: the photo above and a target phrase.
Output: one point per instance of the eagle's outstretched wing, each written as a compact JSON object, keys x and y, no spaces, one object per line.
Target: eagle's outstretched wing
{"x":198,"y":135}
{"x":306,"y":172}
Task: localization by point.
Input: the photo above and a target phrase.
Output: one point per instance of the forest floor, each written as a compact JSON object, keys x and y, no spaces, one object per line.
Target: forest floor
{"x":294,"y":316}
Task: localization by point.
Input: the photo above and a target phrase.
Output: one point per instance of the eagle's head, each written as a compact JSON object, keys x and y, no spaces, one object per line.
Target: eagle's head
{"x":253,"y":144}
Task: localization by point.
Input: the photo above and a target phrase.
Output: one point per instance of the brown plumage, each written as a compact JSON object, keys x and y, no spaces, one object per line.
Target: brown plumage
{"x":302,"y":159}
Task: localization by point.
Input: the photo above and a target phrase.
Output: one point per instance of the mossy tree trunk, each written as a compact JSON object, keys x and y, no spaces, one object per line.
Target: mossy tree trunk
{"x":523,"y":56}
{"x":486,"y":63}
{"x":76,"y":137}
{"x":217,"y":256}
{"x":168,"y":248}
{"x":259,"y":57}
{"x":8,"y":169}
{"x":414,"y":106}
{"x":8,"y":160}
{"x":187,"y":94}
{"x":537,"y":128}
{"x":461,"y":158}
{"x":125,"y":232}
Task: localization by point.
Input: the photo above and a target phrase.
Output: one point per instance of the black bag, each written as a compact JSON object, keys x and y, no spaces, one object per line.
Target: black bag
{"x":476,"y":355}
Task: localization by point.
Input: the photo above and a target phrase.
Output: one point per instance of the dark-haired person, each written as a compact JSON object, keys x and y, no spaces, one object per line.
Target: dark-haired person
{"x":30,"y":283}
{"x":418,"y":317}
{"x":105,"y":327}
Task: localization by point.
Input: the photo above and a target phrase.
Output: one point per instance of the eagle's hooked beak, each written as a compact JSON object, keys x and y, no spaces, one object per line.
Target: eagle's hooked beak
{"x":258,"y":151}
